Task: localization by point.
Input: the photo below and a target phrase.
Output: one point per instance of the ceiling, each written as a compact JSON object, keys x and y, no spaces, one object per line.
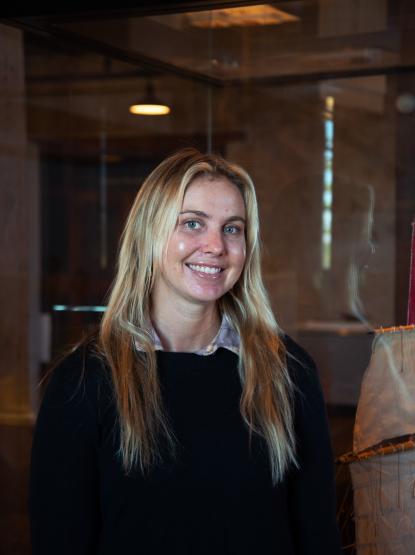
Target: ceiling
{"x":275,"y":42}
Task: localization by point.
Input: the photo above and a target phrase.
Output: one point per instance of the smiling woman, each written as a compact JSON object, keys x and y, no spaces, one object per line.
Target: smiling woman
{"x":191,"y":424}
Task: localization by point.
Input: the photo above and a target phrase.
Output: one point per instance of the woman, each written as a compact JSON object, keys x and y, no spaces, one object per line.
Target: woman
{"x":191,"y":425}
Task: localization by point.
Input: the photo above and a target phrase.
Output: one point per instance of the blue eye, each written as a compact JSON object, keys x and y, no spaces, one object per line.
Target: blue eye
{"x":232,"y":229}
{"x":192,"y":224}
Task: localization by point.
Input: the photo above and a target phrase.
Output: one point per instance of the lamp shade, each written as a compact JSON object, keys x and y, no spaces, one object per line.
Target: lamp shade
{"x":150,"y":105}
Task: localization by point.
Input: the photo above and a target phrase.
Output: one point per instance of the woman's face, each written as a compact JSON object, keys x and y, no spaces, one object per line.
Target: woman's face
{"x":206,"y":253}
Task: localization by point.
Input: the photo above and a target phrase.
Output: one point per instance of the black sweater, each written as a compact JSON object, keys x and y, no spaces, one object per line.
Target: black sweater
{"x":216,"y":498}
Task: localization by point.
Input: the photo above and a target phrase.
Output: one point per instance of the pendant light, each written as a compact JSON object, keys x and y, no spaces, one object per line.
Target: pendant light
{"x":150,"y":105}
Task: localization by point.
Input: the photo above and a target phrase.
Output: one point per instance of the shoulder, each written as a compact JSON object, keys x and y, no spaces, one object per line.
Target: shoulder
{"x":80,"y":377}
{"x":299,"y":361}
{"x":303,"y":373}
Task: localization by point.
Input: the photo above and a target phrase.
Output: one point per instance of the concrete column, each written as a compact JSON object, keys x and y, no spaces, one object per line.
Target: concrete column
{"x":19,"y":240}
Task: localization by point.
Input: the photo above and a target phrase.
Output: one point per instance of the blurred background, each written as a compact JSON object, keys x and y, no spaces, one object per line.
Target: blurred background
{"x":315,"y":98}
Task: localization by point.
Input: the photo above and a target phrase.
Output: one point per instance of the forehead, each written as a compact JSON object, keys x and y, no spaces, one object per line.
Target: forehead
{"x":216,"y":192}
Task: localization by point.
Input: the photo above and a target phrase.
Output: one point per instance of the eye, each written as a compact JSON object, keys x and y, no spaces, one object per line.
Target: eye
{"x":192,"y":224}
{"x":232,"y":229}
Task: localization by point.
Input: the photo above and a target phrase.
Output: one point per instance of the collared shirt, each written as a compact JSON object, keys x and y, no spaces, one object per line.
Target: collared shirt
{"x":227,"y":338}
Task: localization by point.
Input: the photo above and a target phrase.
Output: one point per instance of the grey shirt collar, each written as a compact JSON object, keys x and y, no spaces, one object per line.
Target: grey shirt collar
{"x":227,"y":338}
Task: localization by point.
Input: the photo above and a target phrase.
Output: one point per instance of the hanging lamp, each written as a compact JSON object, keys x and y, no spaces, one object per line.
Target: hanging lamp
{"x":150,"y":105}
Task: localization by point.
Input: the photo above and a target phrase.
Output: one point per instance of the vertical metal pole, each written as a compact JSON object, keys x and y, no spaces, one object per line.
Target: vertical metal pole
{"x":103,"y":193}
{"x":209,"y":110}
{"x":209,"y":119}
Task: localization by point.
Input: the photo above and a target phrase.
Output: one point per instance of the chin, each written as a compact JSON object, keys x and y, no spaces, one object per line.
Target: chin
{"x":207,"y":297}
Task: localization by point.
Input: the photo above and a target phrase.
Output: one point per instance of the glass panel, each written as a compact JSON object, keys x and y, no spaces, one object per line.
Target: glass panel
{"x":265,"y":40}
{"x":93,"y":156}
{"x":315,"y":99}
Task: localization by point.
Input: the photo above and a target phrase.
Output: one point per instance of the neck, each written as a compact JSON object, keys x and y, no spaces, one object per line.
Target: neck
{"x":185,"y":329}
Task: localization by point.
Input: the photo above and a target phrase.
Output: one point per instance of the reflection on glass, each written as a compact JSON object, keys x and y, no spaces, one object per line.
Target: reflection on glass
{"x":327,"y":217}
{"x":80,"y":308}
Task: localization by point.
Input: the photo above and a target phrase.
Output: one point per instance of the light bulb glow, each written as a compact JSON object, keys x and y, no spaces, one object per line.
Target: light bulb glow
{"x":149,"y":109}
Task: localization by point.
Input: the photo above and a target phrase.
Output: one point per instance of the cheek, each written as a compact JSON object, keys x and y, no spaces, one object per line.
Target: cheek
{"x":181,"y":246}
{"x":238,"y":253}
{"x":179,"y":249}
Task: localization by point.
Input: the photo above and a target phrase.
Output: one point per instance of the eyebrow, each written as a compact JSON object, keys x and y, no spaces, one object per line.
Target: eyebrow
{"x":204,"y":215}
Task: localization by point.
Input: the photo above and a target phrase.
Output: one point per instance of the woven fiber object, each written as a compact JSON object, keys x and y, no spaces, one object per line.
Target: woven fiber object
{"x":384,"y":504}
{"x":386,"y":407}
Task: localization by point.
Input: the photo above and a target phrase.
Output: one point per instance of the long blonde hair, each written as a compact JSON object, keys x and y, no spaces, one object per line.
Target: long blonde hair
{"x":266,"y":401}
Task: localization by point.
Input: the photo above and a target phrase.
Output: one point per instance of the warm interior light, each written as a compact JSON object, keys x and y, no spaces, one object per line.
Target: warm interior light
{"x":150,"y":105}
{"x":149,"y":109}
{"x":329,"y":103}
{"x":261,"y":14}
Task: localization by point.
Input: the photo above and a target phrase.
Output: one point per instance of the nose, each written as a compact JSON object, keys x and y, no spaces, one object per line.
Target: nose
{"x":214,"y":243}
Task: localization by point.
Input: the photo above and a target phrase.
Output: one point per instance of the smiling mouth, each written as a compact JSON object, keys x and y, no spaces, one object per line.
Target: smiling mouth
{"x":211,"y":270}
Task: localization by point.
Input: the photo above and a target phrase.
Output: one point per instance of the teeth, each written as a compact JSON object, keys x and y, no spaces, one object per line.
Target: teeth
{"x":204,"y":269}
